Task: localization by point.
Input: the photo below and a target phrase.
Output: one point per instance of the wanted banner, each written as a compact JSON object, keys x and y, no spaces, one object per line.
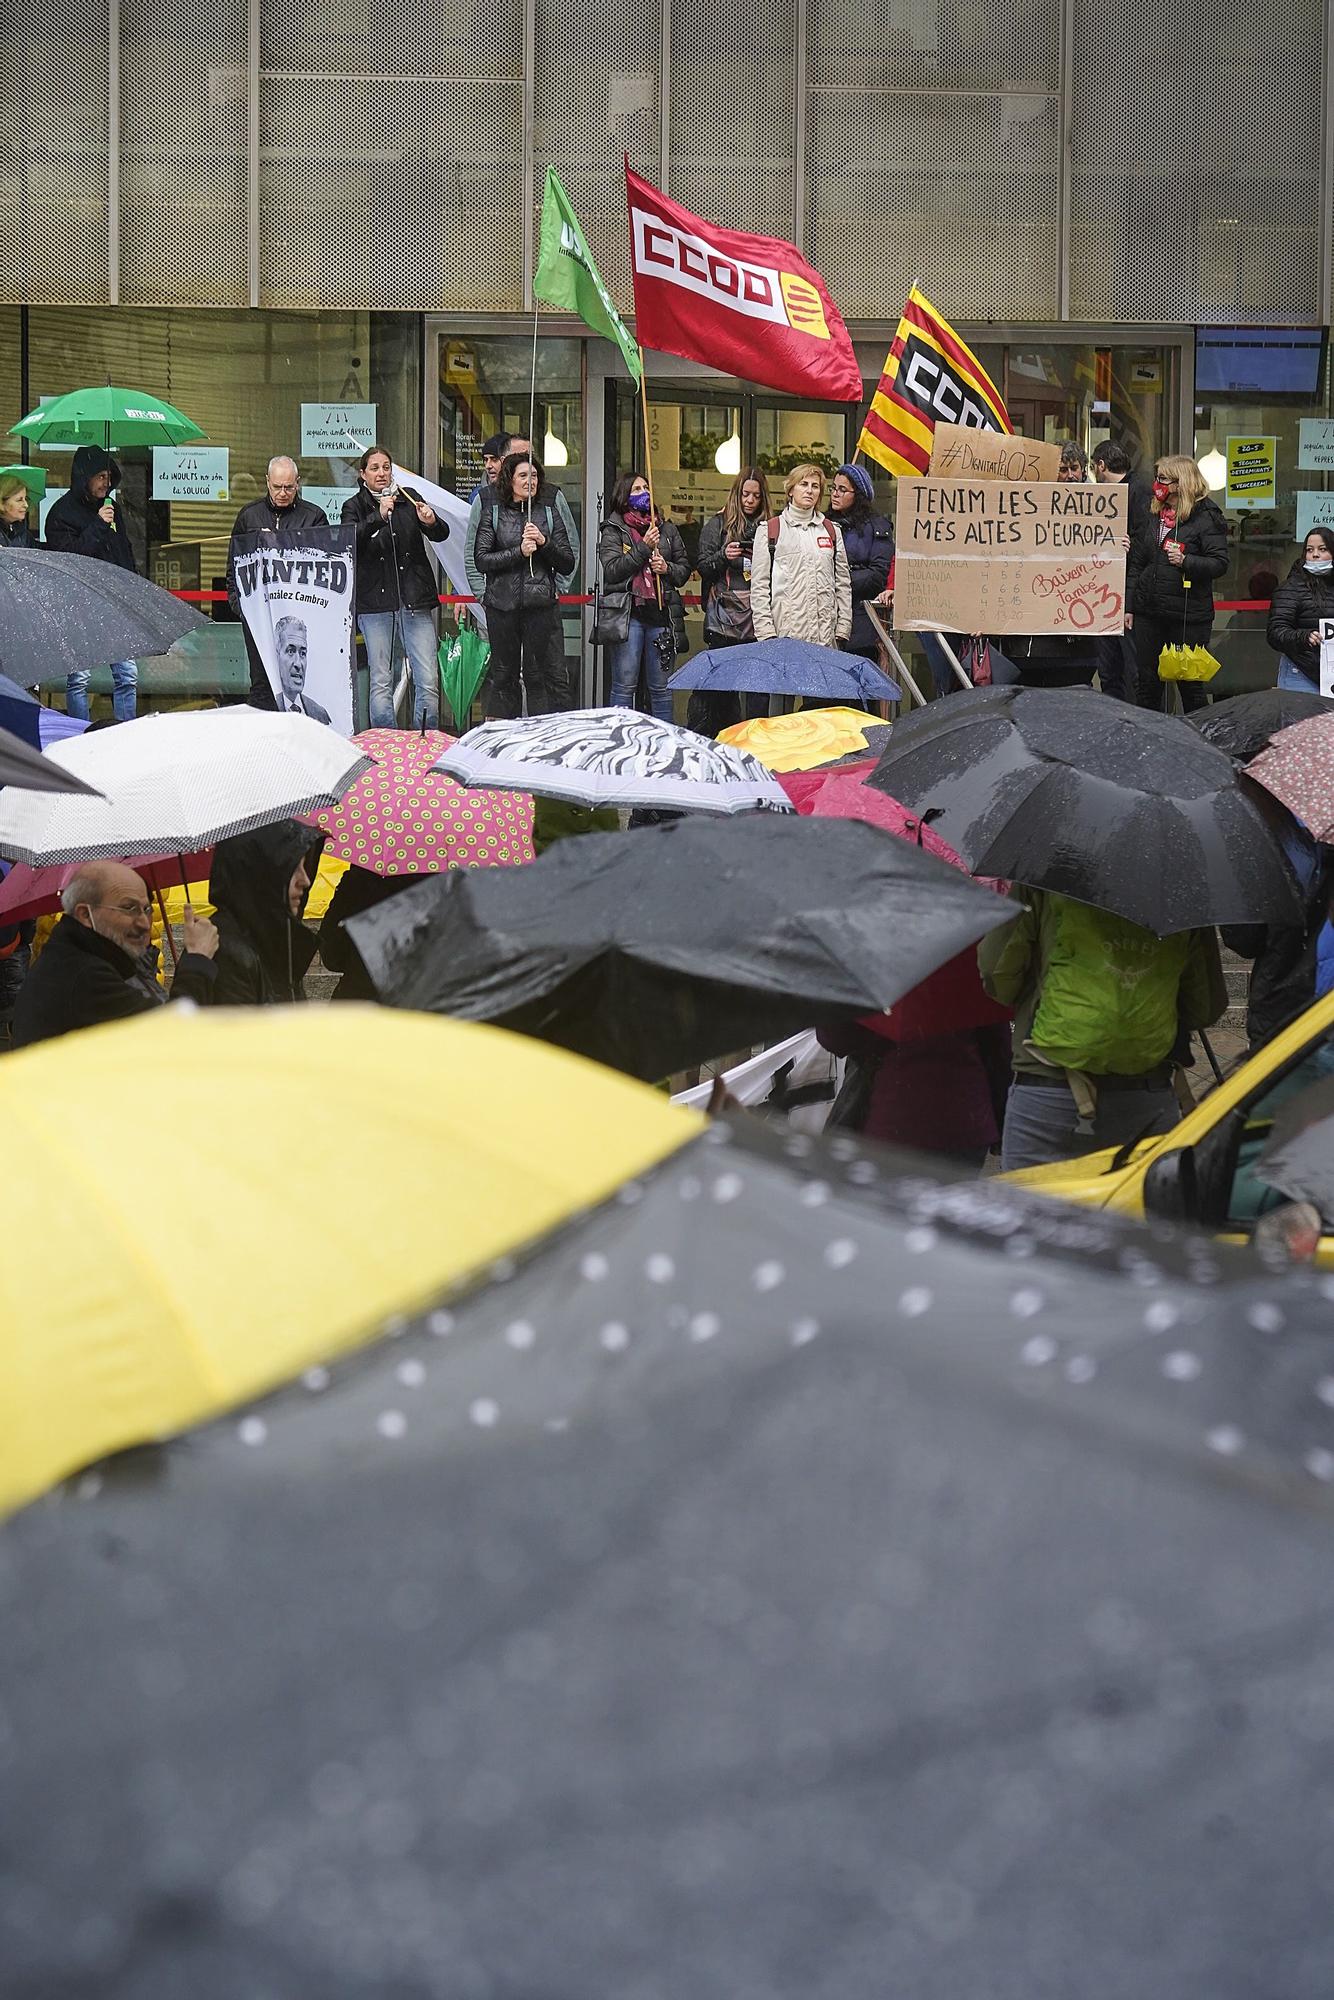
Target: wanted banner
{"x":296,"y":598}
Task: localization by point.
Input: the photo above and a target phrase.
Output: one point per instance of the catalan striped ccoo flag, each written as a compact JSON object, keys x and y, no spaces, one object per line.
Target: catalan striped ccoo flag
{"x":930,"y":378}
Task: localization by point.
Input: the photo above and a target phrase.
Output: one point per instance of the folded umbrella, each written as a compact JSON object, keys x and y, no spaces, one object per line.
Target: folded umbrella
{"x":176,"y":783}
{"x":405,"y":817}
{"x":25,"y":770}
{"x":1244,"y":724}
{"x":1298,"y":770}
{"x":787,"y":666}
{"x":678,"y":943}
{"x":808,"y":738}
{"x":66,"y":613}
{"x":800,"y":1577}
{"x":1120,"y":807}
{"x":613,"y":757}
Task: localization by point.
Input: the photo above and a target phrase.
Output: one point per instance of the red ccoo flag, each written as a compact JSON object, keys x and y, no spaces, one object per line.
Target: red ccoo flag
{"x":747,"y":305}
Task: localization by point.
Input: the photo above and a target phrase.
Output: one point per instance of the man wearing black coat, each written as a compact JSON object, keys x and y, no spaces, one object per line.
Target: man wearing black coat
{"x":279,"y":512}
{"x":87,"y":522}
{"x":92,"y":972}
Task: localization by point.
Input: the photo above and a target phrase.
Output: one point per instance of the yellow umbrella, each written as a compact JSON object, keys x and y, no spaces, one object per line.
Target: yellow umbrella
{"x":329,"y":1169}
{"x":804,"y":740}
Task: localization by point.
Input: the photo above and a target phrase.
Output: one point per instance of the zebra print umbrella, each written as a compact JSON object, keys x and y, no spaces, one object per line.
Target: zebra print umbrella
{"x":613,"y":757}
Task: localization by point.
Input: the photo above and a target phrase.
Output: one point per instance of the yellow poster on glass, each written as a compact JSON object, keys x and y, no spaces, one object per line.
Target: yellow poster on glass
{"x":1252,"y":472}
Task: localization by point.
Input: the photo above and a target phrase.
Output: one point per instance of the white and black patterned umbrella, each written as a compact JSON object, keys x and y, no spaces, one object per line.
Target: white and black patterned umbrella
{"x":614,"y":757}
{"x":176,"y":783}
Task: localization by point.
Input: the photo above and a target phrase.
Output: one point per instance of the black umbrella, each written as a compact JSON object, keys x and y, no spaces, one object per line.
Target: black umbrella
{"x":27,"y":770}
{"x":1243,"y":725}
{"x":67,"y":612}
{"x":800,"y":1581}
{"x":1115,"y":806}
{"x":677,"y":943}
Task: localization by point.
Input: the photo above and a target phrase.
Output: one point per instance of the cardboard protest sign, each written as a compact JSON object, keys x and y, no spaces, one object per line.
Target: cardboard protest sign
{"x":296,"y":600}
{"x":959,"y":451}
{"x":1010,"y":557}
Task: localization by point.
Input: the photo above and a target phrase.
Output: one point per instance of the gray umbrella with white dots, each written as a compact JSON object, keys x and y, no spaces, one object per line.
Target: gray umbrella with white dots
{"x":802,"y":1576}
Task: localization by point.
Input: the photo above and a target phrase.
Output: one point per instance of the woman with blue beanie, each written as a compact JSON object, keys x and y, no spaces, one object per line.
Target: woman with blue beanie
{"x":869,"y":541}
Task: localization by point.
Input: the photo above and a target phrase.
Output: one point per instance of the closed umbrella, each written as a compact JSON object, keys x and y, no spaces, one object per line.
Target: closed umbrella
{"x":23,"y":769}
{"x":1244,"y":724}
{"x":675,"y":944}
{"x":613,"y":757}
{"x":107,"y":415}
{"x":1115,"y":806}
{"x":62,"y":613}
{"x":176,"y":783}
{"x":800,"y":1577}
{"x":787,"y":666}
{"x":405,"y":817}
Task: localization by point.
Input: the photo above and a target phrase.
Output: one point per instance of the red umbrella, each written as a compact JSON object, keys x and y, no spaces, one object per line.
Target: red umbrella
{"x":952,"y":999}
{"x":404,"y":818}
{"x":1298,"y":770}
{"x":35,"y":892}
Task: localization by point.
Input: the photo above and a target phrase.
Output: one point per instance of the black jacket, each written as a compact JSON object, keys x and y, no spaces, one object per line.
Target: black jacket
{"x":75,"y":523}
{"x":869,"y":541}
{"x":1300,"y":602}
{"x":82,"y":980}
{"x":1155,"y":587}
{"x":1284,"y":963}
{"x":715,"y":572}
{"x":263,"y":952}
{"x":261,"y":517}
{"x":621,"y":558}
{"x":17,"y":535}
{"x":357,"y":890}
{"x":381,"y":586}
{"x":511,"y":583}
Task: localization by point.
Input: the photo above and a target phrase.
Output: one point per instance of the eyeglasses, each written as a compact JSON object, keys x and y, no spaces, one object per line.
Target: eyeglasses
{"x":128,"y":909}
{"x":282,"y":485}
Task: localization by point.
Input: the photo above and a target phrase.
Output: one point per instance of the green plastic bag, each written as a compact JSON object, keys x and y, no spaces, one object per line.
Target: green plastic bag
{"x":463,"y":662}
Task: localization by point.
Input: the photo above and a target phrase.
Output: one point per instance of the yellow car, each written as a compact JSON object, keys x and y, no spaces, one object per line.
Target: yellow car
{"x":1202,"y":1171}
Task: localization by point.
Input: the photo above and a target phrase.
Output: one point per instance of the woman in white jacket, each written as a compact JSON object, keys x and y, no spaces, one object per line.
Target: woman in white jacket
{"x":800,"y":584}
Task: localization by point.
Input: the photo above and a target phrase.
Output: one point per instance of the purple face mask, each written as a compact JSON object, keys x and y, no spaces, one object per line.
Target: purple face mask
{"x":637,"y":504}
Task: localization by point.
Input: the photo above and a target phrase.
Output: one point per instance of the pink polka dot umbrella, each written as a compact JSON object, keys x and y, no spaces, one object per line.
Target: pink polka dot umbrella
{"x":403,"y":818}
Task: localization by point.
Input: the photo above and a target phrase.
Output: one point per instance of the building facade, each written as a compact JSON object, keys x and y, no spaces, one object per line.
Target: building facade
{"x":245,"y":205}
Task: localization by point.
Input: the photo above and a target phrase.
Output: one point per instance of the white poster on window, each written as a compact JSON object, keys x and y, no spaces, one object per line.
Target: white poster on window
{"x":331,"y":498}
{"x":337,"y":430}
{"x":1327,"y":656}
{"x":1315,"y":444}
{"x":1314,"y":510}
{"x":190,"y":472}
{"x":296,"y":600}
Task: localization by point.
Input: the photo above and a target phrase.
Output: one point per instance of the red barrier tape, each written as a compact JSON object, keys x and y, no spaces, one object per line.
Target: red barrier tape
{"x":220,"y":597}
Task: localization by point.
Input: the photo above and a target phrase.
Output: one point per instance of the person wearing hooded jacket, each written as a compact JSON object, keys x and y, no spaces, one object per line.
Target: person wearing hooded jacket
{"x":1305,"y":596}
{"x":869,"y":542}
{"x":258,"y":885}
{"x":1170,"y":573}
{"x":87,"y":522}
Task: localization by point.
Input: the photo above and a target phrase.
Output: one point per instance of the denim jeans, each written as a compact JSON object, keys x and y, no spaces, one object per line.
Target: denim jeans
{"x":1291,"y":677}
{"x":1040,"y":1122}
{"x":644,"y":646}
{"x":416,"y":640}
{"x":124,"y":688}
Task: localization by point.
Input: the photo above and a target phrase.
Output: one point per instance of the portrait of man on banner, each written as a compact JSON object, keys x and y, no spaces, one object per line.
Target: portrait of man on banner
{"x":296,"y":599}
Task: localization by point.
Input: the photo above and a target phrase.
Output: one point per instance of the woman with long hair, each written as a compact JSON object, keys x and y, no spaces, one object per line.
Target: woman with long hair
{"x":521,"y":550}
{"x":1305,"y":596}
{"x":1170,"y":574}
{"x":800,"y":586}
{"x":726,"y":542}
{"x":644,"y":563}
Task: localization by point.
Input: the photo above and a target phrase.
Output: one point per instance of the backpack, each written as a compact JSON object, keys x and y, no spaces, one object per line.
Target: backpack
{"x":1109,"y":993}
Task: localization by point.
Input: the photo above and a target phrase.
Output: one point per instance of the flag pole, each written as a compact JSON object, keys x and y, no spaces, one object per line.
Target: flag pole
{"x":648,"y":460}
{"x":532,"y":419}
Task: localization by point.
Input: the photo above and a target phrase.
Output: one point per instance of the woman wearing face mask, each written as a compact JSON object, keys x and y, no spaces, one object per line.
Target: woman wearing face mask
{"x":15,"y":532}
{"x":644,"y":563}
{"x":1170,"y":573}
{"x":726,"y":542}
{"x":869,"y":542}
{"x":800,"y":585}
{"x":1305,"y":596}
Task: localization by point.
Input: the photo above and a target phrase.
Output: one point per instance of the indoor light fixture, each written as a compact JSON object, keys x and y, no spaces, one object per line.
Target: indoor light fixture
{"x":727,"y":458}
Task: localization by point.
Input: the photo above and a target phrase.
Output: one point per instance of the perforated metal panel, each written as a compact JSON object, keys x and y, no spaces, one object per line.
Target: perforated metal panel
{"x":1196,"y":193}
{"x":55,"y":175}
{"x":957,"y":193}
{"x":732,"y":128}
{"x":596,"y":85}
{"x":391,"y":155}
{"x":183,"y":152}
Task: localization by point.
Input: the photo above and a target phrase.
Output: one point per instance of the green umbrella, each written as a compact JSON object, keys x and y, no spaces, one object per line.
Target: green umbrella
{"x":463,"y":662}
{"x":33,"y":477}
{"x":107,"y":416}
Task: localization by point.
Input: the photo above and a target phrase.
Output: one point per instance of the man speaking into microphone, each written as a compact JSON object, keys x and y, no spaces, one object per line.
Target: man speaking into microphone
{"x":397,"y":592}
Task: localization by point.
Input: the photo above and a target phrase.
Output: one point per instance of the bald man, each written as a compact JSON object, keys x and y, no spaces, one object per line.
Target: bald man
{"x":92,"y":968}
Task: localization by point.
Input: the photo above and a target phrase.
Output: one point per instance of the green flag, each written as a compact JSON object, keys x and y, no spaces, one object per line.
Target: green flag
{"x":566,"y":275}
